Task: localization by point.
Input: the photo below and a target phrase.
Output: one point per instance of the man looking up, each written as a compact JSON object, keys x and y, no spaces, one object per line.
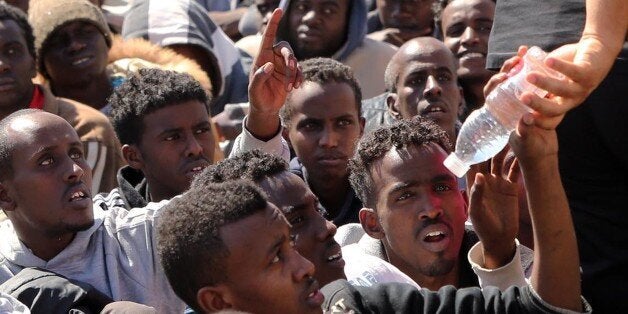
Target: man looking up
{"x":162,"y":120}
{"x":242,"y":257}
{"x":53,"y":223}
{"x":314,"y":235}
{"x":421,"y":78}
{"x":414,"y":212}
{"x":243,"y":246}
{"x":17,"y":91}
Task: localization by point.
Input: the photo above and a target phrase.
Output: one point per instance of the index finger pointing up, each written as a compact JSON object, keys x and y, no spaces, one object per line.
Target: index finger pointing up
{"x":268,"y":39}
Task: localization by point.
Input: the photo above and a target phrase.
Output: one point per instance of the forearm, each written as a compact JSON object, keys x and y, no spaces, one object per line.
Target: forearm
{"x":556,"y":275}
{"x":607,"y":21}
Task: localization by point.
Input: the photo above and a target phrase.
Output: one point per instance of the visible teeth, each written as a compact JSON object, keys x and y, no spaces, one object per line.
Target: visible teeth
{"x":197,"y":168}
{"x":435,"y":233}
{"x":334,"y":257}
{"x":311,"y":295}
{"x":79,"y":61}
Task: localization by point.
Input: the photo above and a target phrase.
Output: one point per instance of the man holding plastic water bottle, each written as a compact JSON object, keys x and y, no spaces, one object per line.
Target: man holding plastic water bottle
{"x":593,"y":150}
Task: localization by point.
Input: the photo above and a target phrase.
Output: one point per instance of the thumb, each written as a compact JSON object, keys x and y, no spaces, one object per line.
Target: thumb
{"x":262,"y":75}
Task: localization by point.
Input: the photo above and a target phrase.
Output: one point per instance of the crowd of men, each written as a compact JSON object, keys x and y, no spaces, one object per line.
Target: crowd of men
{"x":287,"y":157}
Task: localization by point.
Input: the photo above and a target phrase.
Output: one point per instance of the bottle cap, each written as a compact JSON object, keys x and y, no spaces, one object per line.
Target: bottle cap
{"x":455,"y":165}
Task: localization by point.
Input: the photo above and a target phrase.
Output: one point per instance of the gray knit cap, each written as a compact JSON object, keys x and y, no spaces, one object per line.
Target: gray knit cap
{"x":46,"y":16}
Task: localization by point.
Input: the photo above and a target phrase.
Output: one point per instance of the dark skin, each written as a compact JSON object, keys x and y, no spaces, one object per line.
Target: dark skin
{"x":48,"y":197}
{"x":76,"y":64}
{"x":17,"y":68}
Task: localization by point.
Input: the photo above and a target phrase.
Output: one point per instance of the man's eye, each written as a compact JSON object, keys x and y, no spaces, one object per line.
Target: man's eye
{"x":442,"y":188}
{"x":444,"y":78}
{"x":76,"y":155}
{"x":404,"y":196}
{"x":276,"y":259}
{"x":293,"y":240}
{"x":344,"y":122}
{"x":202,"y":130}
{"x":47,"y":161}
{"x":172,"y":137}
{"x":297,"y":220}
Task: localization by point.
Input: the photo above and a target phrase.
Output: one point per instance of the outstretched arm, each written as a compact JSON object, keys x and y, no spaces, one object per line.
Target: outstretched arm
{"x":556,"y":276}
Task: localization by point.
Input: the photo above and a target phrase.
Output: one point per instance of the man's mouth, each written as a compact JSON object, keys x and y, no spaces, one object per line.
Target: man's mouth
{"x":77,"y":196}
{"x":197,"y":167}
{"x":334,"y":255}
{"x":436,"y":237}
{"x":6,"y":84}
{"x":471,"y":55}
{"x":433,"y":110}
{"x":315,"y":298}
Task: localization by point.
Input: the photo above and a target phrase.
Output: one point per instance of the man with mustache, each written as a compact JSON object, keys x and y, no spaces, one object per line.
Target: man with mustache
{"x":414,"y":212}
{"x":162,"y":120}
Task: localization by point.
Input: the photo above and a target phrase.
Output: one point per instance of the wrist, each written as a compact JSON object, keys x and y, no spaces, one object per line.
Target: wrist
{"x":496,"y":257}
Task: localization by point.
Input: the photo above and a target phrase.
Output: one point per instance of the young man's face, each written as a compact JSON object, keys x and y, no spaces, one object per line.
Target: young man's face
{"x":314,"y":234}
{"x":317,"y":28}
{"x":265,"y":274}
{"x":427,"y":86}
{"x":466,"y":26}
{"x":176,"y":144}
{"x":17,"y":68}
{"x":420,"y":210}
{"x":49,"y":190}
{"x":75,"y":53}
{"x":324,"y":128}
{"x":406,"y":15}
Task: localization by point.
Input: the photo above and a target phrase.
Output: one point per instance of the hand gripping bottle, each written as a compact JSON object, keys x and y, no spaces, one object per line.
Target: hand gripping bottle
{"x":485,"y":132}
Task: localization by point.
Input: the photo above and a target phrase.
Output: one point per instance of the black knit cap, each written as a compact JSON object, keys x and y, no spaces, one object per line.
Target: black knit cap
{"x":46,"y":16}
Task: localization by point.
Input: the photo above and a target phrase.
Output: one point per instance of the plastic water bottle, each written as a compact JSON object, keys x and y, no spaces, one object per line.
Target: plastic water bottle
{"x":486,"y":130}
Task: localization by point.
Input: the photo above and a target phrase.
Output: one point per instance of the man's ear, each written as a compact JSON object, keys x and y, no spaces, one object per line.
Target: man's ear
{"x":370,"y":223}
{"x":465,"y":197}
{"x":362,"y":124}
{"x":284,"y":134}
{"x":213,"y":299}
{"x":133,"y":156}
{"x":6,"y":201}
{"x":463,"y":103}
{"x":392,"y":102}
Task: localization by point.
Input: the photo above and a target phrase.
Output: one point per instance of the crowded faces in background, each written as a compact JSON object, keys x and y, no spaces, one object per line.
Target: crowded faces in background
{"x":401,"y":20}
{"x":101,"y":147}
{"x":334,"y":29}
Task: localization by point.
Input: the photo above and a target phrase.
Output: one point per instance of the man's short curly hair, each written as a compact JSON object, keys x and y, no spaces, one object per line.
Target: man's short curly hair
{"x":323,"y":71}
{"x":189,"y":244}
{"x":147,"y":91}
{"x":373,"y":146}
{"x":252,"y":165}
{"x":11,"y":13}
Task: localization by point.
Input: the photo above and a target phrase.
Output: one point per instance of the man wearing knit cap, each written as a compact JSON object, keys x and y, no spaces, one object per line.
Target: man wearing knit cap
{"x":72,"y":39}
{"x":17,"y":91}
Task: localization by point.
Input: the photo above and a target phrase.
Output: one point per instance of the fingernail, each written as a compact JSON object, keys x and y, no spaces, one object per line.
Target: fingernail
{"x":532,"y":79}
{"x":549,"y":62}
{"x":290,"y":87}
{"x":292,"y":64}
{"x":268,"y":68}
